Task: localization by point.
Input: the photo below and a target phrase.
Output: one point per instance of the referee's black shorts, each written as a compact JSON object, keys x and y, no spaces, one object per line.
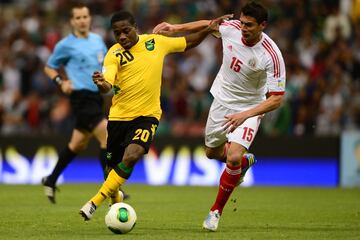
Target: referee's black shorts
{"x":87,"y":108}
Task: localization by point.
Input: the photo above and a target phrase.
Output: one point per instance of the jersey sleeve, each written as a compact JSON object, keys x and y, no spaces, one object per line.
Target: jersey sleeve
{"x":172,"y":44}
{"x":275,"y":70}
{"x":227,"y":27}
{"x":59,"y":57}
{"x":110,"y":67}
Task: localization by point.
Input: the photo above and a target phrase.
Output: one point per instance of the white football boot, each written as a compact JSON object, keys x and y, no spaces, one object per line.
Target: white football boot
{"x":88,"y":210}
{"x":212,"y":221}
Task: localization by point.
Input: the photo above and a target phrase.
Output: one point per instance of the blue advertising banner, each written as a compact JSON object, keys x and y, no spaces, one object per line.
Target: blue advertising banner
{"x":184,"y":166}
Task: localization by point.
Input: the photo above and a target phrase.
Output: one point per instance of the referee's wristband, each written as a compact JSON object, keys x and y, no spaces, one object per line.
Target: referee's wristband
{"x":57,"y":80}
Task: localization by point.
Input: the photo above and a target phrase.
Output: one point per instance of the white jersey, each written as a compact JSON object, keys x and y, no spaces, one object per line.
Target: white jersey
{"x":247,"y":73}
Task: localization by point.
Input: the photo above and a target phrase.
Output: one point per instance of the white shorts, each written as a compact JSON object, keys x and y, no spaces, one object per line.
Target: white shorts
{"x":216,"y":134}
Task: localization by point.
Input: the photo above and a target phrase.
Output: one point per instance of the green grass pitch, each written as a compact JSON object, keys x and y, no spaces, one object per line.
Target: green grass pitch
{"x":169,"y":212}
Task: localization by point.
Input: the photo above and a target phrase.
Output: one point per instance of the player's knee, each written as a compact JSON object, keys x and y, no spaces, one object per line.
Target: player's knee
{"x":79,"y":147}
{"x":234,"y":159}
{"x":83,"y":146}
{"x":132,"y":158}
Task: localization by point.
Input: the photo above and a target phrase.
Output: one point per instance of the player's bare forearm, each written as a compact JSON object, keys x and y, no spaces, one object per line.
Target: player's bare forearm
{"x":192,"y":40}
{"x":235,"y":120}
{"x":270,"y":104}
{"x":101,"y":83}
{"x":167,"y":28}
{"x":192,"y":26}
{"x":105,"y":87}
{"x":195,"y":39}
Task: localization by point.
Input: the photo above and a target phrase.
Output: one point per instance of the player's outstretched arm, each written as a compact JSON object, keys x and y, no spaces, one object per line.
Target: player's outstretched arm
{"x":167,"y":28}
{"x":192,"y":40}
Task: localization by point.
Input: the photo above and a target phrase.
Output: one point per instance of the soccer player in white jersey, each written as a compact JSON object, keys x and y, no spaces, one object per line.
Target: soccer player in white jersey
{"x":250,"y":83}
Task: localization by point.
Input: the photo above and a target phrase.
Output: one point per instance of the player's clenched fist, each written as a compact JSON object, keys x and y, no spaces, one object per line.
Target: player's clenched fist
{"x":101,"y":83}
{"x":98,"y":78}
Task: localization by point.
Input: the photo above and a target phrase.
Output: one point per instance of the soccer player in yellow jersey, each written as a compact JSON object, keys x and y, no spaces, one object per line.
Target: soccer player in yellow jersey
{"x":132,"y":69}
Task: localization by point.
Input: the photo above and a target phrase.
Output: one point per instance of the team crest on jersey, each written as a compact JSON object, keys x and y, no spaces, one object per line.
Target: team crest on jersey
{"x":252,"y":62}
{"x":150,"y":44}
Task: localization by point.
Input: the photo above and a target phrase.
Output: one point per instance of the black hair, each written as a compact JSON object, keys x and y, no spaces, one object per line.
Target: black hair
{"x":255,"y":10}
{"x":121,"y":16}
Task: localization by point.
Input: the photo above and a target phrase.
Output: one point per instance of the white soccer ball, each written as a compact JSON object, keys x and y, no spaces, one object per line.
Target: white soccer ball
{"x":121,"y":218}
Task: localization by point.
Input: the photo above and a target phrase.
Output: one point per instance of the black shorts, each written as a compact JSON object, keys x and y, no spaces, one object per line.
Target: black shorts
{"x":140,"y":131}
{"x":87,"y":108}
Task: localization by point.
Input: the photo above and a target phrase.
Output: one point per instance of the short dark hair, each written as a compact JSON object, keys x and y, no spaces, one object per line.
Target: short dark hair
{"x":77,"y":5}
{"x":121,"y":16}
{"x":256,"y":11}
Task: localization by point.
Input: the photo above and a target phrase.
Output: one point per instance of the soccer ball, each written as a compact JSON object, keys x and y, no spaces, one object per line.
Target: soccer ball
{"x":121,"y":218}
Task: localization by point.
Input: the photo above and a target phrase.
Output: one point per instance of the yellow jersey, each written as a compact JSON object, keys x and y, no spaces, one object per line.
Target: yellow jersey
{"x":135,"y":75}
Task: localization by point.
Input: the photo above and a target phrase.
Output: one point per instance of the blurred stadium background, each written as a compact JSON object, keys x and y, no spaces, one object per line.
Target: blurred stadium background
{"x":309,"y":141}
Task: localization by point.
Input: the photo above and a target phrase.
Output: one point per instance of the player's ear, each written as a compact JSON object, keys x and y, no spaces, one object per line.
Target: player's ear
{"x":135,"y":26}
{"x":263,"y":25}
